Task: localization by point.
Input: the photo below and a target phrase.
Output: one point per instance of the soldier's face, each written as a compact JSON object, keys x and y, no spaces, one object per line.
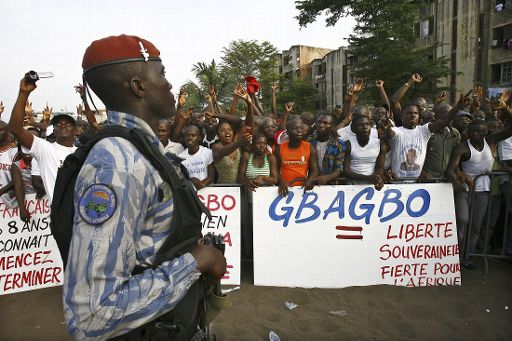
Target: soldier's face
{"x":158,"y":95}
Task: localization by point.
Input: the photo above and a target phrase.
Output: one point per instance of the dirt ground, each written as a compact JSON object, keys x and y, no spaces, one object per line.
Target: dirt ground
{"x":481,"y":309}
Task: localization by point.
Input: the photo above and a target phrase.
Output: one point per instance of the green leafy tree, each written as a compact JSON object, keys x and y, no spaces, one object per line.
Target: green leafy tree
{"x":249,"y":57}
{"x":384,"y":42}
{"x":207,"y":74}
{"x":195,"y":97}
{"x":239,"y":59}
{"x":302,"y":92}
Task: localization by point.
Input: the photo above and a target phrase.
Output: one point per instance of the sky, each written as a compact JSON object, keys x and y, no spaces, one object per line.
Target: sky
{"x":52,"y":35}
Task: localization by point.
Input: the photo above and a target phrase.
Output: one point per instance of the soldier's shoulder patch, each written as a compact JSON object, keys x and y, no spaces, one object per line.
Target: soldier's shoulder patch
{"x":97,"y":204}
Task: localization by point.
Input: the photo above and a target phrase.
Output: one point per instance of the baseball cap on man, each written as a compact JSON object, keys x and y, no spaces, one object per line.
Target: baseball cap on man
{"x":464,"y":113}
{"x":118,"y":49}
{"x":62,"y":115}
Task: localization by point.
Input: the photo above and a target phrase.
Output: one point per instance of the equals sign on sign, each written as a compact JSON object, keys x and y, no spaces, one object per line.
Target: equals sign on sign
{"x":350,"y":232}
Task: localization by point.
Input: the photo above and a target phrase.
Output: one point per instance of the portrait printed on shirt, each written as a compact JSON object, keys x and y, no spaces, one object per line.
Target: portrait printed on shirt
{"x":410,"y":155}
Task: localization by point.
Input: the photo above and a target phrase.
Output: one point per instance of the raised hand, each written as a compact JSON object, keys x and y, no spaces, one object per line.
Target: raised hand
{"x":478,"y":91}
{"x":273,"y":87}
{"x":500,"y":104}
{"x":27,"y":84}
{"x":379,"y":83}
{"x":186,"y":115}
{"x":464,"y":100}
{"x":80,"y":90}
{"x":47,"y":113}
{"x":211,"y":92}
{"x":441,"y":97}
{"x":79,"y":110}
{"x":28,"y":108}
{"x":241,"y":92}
{"x":245,"y":138}
{"x":350,"y":91}
{"x":416,"y":78}
{"x":505,"y":96}
{"x":182,"y":98}
{"x":358,"y":86}
{"x":288,"y":107}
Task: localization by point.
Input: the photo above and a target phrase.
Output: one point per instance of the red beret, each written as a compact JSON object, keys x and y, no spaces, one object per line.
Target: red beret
{"x":118,"y":49}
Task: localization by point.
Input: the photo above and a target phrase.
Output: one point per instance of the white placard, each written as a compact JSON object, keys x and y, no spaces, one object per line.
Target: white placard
{"x":224,"y":205}
{"x":340,"y":236}
{"x":29,"y":257}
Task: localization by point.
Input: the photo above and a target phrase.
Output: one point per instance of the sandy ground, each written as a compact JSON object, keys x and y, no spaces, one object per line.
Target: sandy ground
{"x":371,"y":313}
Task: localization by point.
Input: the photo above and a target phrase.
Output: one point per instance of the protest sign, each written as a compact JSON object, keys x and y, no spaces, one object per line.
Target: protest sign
{"x":340,"y":236}
{"x":29,"y":257}
{"x":224,"y":205}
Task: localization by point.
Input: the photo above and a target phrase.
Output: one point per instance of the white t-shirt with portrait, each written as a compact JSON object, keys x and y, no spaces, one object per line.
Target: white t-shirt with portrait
{"x":197,"y":164}
{"x":49,"y":157}
{"x":409,"y":149}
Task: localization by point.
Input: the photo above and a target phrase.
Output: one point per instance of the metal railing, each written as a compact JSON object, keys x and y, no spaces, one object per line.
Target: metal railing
{"x":485,"y":252}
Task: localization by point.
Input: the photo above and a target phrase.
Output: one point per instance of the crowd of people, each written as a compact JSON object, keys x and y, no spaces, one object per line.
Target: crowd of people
{"x":354,"y":144}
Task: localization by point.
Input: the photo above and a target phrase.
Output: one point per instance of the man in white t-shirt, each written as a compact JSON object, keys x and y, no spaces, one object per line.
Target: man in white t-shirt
{"x":409,"y":142}
{"x":163,"y":135}
{"x":49,"y":156}
{"x":198,"y":160}
{"x":347,"y":133}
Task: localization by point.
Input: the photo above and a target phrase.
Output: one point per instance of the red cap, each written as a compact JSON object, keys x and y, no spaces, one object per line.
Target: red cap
{"x":252,"y":84}
{"x":118,"y":49}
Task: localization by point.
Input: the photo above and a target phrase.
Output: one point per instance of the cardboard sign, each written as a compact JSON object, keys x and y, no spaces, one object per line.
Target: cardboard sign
{"x":224,"y":205}
{"x":29,"y":257}
{"x":340,"y":236}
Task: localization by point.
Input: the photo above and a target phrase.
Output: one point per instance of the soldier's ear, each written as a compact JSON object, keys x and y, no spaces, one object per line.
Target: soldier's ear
{"x":137,"y":87}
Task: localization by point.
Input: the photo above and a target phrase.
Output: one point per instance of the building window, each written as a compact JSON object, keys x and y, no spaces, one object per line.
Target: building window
{"x":506,"y":73}
{"x":424,"y":28}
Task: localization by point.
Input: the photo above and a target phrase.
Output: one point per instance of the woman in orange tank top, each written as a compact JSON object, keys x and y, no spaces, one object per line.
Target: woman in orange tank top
{"x":296,"y":159}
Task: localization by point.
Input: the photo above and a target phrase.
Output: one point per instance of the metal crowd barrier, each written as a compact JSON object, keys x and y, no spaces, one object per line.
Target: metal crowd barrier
{"x":485,"y":252}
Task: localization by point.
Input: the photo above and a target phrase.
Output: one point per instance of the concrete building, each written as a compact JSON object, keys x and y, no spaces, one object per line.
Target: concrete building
{"x":296,"y":62}
{"x":471,"y":33}
{"x":500,"y":54}
{"x":474,"y":35}
{"x":331,"y":77}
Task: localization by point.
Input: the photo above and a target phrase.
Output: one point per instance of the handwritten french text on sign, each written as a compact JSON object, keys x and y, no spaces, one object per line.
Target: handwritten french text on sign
{"x":29,"y":257}
{"x":339,"y":236}
{"x":224,"y":205}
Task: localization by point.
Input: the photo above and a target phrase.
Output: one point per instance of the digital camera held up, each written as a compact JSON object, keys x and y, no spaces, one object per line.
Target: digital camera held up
{"x":32,"y":75}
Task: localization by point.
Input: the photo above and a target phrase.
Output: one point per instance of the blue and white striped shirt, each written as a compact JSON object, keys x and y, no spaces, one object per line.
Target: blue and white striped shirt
{"x":101,"y":297}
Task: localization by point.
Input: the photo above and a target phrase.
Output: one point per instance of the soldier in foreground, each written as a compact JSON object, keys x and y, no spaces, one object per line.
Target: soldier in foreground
{"x":124,"y":209}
